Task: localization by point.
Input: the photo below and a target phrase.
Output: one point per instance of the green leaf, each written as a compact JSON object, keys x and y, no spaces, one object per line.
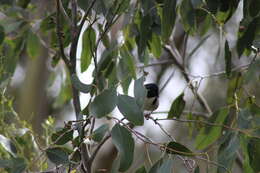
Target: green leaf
{"x":227,"y":152}
{"x":197,"y":169}
{"x":33,"y":47}
{"x":234,"y":85}
{"x":168,"y":18}
{"x":2,"y":34}
{"x":140,"y":91}
{"x":177,"y":107}
{"x":254,"y":8}
{"x":8,"y":145}
{"x":15,"y":165}
{"x":209,"y":135}
{"x":145,"y":34}
{"x":104,"y":103}
{"x":124,"y":143}
{"x":155,"y":45}
{"x":254,"y":153}
{"x":88,"y":45}
{"x":228,"y":59}
{"x":128,"y":60}
{"x":84,"y":88}
{"x":177,"y":148}
{"x":5,"y":163}
{"x":243,"y":145}
{"x":57,"y":155}
{"x":129,"y":108}
{"x":244,"y":119}
{"x":84,"y":4}
{"x":99,"y":133}
{"x":188,"y":15}
{"x":18,"y":165}
{"x":252,"y":73}
{"x":62,"y":136}
{"x":246,"y":39}
{"x":141,"y":170}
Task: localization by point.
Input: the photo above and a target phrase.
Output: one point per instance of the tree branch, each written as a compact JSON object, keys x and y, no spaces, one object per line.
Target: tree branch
{"x":200,"y":98}
{"x":59,"y":35}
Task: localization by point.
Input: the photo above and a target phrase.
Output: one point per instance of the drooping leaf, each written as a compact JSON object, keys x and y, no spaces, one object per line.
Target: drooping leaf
{"x":129,"y":60}
{"x":168,"y":18}
{"x":8,"y":145}
{"x":88,"y":45}
{"x":99,"y":133}
{"x":210,"y":134}
{"x":234,"y":86}
{"x":243,"y":145}
{"x":254,"y":153}
{"x":156,"y":45}
{"x":33,"y":46}
{"x":247,"y":37}
{"x":104,"y":103}
{"x":129,"y":108}
{"x":188,"y":15}
{"x":124,"y":143}
{"x":177,"y":107}
{"x":84,"y":4}
{"x":57,"y":155}
{"x":177,"y":148}
{"x":140,"y":91}
{"x":228,"y":60}
{"x":227,"y":152}
{"x":62,"y":136}
{"x":244,"y":119}
{"x":85,"y":88}
{"x":145,"y":34}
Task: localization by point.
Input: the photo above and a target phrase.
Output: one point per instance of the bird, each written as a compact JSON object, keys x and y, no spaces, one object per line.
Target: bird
{"x":151,"y":101}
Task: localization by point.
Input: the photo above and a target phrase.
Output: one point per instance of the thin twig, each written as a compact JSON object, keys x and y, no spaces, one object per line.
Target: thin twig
{"x":174,"y":54}
{"x":209,"y":124}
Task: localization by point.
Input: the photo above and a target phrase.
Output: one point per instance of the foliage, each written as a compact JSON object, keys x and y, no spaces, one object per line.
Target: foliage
{"x":117,"y":36}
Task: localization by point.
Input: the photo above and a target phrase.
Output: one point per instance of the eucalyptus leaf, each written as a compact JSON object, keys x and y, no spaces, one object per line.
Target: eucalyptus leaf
{"x":129,"y":108}
{"x":177,"y":148}
{"x":124,"y":143}
{"x":140,"y":91}
{"x":177,"y":107}
{"x":88,"y":45}
{"x":99,"y":133}
{"x":168,"y":18}
{"x":33,"y":46}
{"x":104,"y":103}
{"x":57,"y":155}
{"x":209,"y":135}
{"x":84,"y":88}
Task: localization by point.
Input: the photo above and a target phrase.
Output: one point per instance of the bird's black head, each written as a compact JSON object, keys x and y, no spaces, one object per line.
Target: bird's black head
{"x":152,"y":90}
